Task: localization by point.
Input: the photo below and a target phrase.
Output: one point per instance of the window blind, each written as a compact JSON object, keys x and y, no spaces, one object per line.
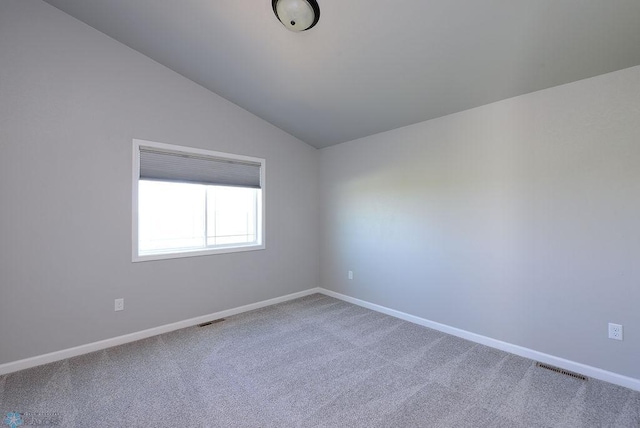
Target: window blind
{"x":164,"y":165}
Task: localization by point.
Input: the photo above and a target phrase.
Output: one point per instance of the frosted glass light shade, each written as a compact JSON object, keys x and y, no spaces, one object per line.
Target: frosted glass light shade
{"x":297,"y":15}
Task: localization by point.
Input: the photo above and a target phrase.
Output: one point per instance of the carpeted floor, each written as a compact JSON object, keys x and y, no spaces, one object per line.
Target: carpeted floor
{"x":315,"y":361}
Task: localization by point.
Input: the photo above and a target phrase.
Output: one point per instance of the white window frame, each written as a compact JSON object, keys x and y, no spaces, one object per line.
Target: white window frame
{"x":235,"y":248}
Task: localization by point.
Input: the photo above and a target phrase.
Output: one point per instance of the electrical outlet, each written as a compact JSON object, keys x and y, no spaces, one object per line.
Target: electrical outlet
{"x":119,"y":305}
{"x":350,"y":274}
{"x":615,"y":331}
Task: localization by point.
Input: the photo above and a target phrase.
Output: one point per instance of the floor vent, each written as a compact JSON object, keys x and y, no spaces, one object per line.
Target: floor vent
{"x":204,"y":324}
{"x":562,"y":371}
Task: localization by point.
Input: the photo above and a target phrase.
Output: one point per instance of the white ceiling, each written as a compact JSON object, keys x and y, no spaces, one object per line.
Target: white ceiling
{"x":372,"y":65}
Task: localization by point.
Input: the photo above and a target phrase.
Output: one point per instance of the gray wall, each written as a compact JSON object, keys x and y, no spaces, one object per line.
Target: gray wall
{"x":518,"y":220}
{"x":71,"y":101}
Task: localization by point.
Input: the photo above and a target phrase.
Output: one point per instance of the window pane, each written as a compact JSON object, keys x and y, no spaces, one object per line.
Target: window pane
{"x":171,"y":216}
{"x":231,"y":215}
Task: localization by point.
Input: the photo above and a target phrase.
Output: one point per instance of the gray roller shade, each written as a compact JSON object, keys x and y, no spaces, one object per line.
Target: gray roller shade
{"x":161,"y":165}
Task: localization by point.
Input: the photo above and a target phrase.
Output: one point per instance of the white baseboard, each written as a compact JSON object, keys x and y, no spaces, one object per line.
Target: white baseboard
{"x":51,"y":357}
{"x":590,"y":371}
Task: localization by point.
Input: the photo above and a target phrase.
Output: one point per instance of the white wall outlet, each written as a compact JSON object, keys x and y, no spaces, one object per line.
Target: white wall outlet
{"x":119,"y":305}
{"x":615,"y":331}
{"x":350,"y":274}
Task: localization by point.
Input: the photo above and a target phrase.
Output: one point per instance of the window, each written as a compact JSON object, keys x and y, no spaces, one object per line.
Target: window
{"x":191,"y":202}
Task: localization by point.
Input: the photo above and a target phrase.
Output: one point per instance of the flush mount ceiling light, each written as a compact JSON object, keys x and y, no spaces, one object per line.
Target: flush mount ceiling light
{"x":297,"y":15}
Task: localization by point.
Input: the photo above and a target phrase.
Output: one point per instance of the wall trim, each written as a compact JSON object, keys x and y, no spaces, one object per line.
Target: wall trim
{"x":590,"y":371}
{"x":51,"y":357}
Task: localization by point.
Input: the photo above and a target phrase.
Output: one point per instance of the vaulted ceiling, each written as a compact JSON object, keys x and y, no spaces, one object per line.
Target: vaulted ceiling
{"x":371,"y":65}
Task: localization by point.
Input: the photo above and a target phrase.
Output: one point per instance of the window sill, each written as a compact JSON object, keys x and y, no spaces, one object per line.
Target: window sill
{"x":196,"y":253}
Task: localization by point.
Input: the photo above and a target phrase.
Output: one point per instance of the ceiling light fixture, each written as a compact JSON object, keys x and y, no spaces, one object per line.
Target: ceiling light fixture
{"x":297,"y":15}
